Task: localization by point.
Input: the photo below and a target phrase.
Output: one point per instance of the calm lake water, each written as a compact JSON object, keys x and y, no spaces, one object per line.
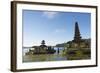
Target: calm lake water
{"x":44,"y":57}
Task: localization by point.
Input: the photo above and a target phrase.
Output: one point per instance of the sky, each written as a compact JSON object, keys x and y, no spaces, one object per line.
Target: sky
{"x":53,"y":27}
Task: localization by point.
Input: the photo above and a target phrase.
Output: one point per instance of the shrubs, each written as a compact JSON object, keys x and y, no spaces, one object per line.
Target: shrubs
{"x":78,"y":54}
{"x":71,"y":53}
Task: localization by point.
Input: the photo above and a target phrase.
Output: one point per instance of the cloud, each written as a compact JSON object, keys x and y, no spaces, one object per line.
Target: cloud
{"x":50,"y":14}
{"x":60,"y":30}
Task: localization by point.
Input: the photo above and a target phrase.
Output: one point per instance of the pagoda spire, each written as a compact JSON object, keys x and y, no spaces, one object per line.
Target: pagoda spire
{"x":77,"y":36}
{"x":43,"y":42}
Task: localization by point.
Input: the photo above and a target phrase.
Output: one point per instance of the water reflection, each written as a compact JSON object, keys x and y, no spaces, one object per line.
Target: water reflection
{"x":57,"y":56}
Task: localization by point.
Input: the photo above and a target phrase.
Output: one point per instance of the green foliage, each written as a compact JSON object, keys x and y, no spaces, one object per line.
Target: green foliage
{"x":78,"y":54}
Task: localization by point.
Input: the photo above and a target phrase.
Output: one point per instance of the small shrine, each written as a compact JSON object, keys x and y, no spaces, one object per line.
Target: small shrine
{"x":42,"y":49}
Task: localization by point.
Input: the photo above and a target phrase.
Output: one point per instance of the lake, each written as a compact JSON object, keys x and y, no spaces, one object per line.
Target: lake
{"x":44,"y":57}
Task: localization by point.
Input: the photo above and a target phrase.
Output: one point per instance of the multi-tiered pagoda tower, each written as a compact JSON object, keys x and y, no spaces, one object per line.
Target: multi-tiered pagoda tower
{"x":77,"y":36}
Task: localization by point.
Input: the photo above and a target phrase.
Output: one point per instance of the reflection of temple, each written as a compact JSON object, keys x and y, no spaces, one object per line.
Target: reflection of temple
{"x":78,"y":42}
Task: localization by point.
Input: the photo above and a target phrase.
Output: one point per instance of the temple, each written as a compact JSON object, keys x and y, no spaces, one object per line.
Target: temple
{"x":78,"y":48}
{"x":42,"y":49}
{"x":77,"y":41}
{"x":77,"y":36}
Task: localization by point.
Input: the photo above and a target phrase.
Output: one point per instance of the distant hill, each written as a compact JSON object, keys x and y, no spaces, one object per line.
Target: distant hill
{"x":60,"y":45}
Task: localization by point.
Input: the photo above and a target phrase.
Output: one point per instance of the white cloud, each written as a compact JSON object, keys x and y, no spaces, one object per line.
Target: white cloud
{"x":50,"y":14}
